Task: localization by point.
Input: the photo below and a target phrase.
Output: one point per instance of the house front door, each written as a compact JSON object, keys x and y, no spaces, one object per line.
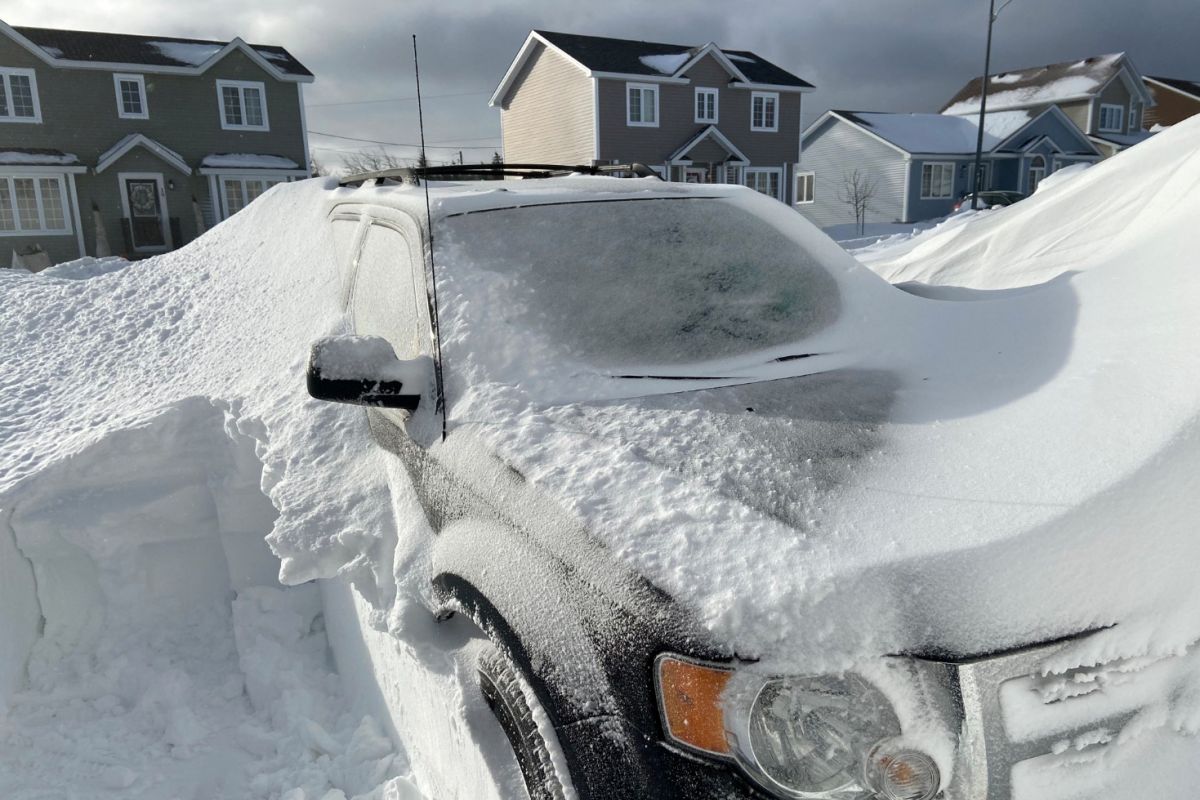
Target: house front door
{"x":694,"y":175}
{"x":143,"y":197}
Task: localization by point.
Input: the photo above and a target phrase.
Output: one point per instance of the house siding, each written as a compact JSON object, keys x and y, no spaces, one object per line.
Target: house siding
{"x":1078,"y":112}
{"x":549,"y":116}
{"x":835,"y":150}
{"x":1171,"y":107}
{"x":1065,"y":136}
{"x":621,"y":142}
{"x":1115,"y":94}
{"x":79,"y":116}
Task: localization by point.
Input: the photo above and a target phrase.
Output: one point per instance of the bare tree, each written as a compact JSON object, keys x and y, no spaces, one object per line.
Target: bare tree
{"x":858,"y":189}
{"x":318,"y":170}
{"x":370,"y":161}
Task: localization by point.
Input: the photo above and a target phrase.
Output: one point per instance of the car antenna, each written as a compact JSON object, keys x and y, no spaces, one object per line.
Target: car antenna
{"x":439,"y":406}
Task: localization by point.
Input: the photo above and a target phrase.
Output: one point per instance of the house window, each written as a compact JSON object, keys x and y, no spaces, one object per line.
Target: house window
{"x":706,"y":105}
{"x":804,"y":187}
{"x":1135,"y":121}
{"x":131,"y":97}
{"x":937,"y":180}
{"x":240,"y":192}
{"x":641,"y":105}
{"x":33,"y":204}
{"x":19,"y":96}
{"x":764,"y":111}
{"x":1037,"y":171}
{"x":1112,"y":118}
{"x":243,"y":105}
{"x":765,"y":180}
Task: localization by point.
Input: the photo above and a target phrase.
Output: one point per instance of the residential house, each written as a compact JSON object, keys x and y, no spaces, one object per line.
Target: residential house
{"x":135,"y":144}
{"x":1175,"y":100}
{"x":1104,"y":96}
{"x":918,"y":165}
{"x":697,"y":114}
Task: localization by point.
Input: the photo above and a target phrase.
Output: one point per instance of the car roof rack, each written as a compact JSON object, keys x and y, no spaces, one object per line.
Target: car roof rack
{"x":483,"y":172}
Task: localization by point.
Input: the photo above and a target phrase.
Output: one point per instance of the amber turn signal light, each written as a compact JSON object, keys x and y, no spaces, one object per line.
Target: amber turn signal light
{"x":689,"y":699}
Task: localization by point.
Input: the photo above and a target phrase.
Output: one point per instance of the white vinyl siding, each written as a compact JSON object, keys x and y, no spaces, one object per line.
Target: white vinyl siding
{"x":131,"y":96}
{"x":243,"y":105}
{"x":764,"y":111}
{"x":831,"y":153}
{"x":19,"y":96}
{"x":33,"y":204}
{"x":937,"y":180}
{"x":804,"y":187}
{"x":1112,"y":118}
{"x":641,"y":105}
{"x":706,"y":105}
{"x":765,"y":180}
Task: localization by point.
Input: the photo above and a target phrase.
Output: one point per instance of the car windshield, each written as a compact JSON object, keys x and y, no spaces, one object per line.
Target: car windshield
{"x":618,"y":283}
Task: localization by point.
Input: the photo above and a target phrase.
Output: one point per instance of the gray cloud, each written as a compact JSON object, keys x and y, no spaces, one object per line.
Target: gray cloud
{"x":862,"y":54}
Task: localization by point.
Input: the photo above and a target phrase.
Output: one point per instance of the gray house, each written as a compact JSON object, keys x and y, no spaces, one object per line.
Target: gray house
{"x":1104,"y":96}
{"x":919,"y":165}
{"x":135,"y":144}
{"x":696,"y":114}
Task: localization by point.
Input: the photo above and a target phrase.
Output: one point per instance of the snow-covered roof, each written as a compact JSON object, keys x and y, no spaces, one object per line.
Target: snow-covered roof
{"x":946,"y":134}
{"x":628,"y":57}
{"x":37,"y":156}
{"x":1039,"y":86}
{"x":149,"y":51}
{"x":248,"y":160}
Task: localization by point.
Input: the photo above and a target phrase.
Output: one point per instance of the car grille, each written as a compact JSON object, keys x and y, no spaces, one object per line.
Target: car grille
{"x":1019,"y":727}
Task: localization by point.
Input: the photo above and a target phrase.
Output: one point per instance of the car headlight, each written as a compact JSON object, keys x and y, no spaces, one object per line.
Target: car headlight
{"x":804,"y":738}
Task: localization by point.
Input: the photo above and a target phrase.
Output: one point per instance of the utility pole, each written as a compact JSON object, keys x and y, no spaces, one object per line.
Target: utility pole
{"x":993,"y":13}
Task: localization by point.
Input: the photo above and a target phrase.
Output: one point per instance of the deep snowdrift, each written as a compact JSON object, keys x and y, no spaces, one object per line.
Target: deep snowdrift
{"x":1069,"y":224}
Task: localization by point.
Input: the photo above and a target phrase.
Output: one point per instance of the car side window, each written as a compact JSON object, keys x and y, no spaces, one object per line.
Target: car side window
{"x":389,"y":293}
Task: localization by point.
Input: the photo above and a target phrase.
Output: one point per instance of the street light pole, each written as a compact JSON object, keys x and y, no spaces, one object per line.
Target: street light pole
{"x":987,"y":69}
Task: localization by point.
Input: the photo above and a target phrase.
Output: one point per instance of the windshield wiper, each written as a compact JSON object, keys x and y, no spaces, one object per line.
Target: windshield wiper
{"x":780,"y":360}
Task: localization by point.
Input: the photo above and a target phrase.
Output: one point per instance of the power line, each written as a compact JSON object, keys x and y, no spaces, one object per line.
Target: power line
{"x":392,"y":99}
{"x":405,"y":144}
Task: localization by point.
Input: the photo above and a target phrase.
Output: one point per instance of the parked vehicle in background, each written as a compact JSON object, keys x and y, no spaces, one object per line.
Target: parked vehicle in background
{"x":989,"y":199}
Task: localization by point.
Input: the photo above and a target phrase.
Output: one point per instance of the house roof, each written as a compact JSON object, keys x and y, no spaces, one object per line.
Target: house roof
{"x":1038,"y":86}
{"x":152,"y":51}
{"x":947,"y":134}
{"x":36,"y":156}
{"x":1191,"y":88}
{"x":630,"y":57}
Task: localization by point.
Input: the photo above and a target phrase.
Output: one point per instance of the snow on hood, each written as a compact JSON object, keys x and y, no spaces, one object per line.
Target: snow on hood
{"x":935,"y":462}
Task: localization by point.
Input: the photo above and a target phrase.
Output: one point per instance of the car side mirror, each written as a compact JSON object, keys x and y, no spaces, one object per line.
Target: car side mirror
{"x":364,"y":370}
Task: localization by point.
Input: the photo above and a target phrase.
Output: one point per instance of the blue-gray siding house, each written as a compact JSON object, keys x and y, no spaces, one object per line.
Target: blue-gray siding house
{"x":919,"y":165}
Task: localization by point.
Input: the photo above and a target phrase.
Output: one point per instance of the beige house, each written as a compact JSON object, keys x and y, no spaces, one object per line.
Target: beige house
{"x":696,"y":114}
{"x":1104,"y":96}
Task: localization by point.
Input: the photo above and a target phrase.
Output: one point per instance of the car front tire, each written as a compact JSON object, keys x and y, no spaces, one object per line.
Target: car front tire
{"x":525,"y":724}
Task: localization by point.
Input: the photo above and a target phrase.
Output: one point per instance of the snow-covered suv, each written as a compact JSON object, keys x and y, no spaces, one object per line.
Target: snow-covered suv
{"x":741,"y":519}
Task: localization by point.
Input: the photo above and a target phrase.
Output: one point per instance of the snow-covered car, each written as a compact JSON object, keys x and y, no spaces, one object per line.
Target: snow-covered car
{"x":740,"y":519}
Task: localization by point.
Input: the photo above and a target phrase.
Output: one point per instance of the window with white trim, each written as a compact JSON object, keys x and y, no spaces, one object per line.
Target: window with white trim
{"x":1135,"y":120}
{"x":804,"y":187}
{"x":131,"y":96}
{"x":240,"y":191}
{"x":764,"y":180}
{"x":706,"y":105}
{"x":19,"y":96}
{"x":1037,"y":171}
{"x":243,"y":105}
{"x":937,"y":180}
{"x":33,"y":204}
{"x":764,"y":111}
{"x":641,"y":105}
{"x":1112,"y":118}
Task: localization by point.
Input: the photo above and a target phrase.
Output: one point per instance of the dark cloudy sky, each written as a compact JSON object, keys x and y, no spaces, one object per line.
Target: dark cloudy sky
{"x":887,"y":55}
